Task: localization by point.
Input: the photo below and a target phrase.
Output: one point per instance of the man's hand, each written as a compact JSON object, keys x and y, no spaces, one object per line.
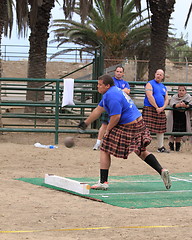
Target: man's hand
{"x":82,"y":125}
{"x":160,"y":109}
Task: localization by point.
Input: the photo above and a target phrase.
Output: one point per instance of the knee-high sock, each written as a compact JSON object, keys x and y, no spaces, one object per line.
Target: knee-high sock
{"x":152,"y":161}
{"x":104,"y":175}
{"x":160,"y":139}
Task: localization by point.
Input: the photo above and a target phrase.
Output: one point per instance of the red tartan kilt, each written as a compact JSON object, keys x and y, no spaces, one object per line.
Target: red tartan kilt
{"x":123,"y":140}
{"x":156,"y":123}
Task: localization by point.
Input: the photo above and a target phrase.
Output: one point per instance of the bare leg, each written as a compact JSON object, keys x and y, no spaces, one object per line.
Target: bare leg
{"x":144,"y":154}
{"x":171,"y":138}
{"x":105,"y":160}
{"x":178,"y":139}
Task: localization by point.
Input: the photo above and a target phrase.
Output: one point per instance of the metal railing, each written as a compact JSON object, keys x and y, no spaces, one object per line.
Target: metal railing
{"x":86,"y":97}
{"x":14,"y":97}
{"x":21,"y":52}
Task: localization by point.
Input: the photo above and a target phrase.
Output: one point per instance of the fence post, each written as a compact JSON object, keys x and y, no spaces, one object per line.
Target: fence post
{"x":57,"y":111}
{"x":186,"y":69}
{"x":135,"y":69}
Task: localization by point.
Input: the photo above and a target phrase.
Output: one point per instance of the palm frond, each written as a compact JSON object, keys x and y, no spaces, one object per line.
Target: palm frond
{"x":8,"y":18}
{"x":115,"y":31}
{"x":188,"y":15}
{"x":22,"y":16}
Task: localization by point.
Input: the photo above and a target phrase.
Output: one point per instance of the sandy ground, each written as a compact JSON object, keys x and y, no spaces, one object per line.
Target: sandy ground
{"x":33,"y":212}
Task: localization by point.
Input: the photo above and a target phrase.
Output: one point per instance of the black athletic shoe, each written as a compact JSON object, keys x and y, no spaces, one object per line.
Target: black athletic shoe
{"x":162,"y":150}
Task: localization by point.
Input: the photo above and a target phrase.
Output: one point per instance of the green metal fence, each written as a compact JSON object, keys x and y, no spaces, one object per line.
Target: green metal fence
{"x":56,"y":119}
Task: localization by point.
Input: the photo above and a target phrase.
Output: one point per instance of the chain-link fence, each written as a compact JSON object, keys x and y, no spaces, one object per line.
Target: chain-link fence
{"x":137,"y":70}
{"x":14,"y":64}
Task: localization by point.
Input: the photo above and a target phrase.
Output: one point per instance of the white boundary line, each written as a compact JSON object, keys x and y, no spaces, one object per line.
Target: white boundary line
{"x":136,"y":181}
{"x":180,"y":179}
{"x":137,"y":193}
{"x":128,"y":181}
{"x":174,"y":179}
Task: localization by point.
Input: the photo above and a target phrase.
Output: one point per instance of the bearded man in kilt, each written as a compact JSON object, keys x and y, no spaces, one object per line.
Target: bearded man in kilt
{"x":125,"y":133}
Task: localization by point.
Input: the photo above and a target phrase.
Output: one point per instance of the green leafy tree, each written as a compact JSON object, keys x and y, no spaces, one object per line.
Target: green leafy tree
{"x":178,"y":50}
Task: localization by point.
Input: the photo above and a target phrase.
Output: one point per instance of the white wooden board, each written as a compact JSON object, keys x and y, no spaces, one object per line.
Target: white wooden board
{"x":66,"y":183}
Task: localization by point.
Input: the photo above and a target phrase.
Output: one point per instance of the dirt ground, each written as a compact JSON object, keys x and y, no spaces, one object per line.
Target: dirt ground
{"x":33,"y":212}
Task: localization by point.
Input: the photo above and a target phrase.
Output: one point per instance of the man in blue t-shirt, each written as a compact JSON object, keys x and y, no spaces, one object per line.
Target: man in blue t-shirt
{"x":126,"y":131}
{"x":122,"y":84}
{"x":155,"y":102}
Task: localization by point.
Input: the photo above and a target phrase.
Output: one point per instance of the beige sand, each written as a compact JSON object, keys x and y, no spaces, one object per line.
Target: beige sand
{"x":26,"y":207}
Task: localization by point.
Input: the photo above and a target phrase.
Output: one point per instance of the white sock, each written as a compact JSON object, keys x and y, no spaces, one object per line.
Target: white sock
{"x":160,"y":138}
{"x":98,"y":141}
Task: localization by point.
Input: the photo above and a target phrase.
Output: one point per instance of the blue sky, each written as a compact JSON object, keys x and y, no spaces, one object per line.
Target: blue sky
{"x":179,"y":17}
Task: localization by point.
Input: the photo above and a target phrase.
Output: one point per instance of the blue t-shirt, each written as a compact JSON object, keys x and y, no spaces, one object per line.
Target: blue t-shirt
{"x":159,"y":92}
{"x":115,"y":101}
{"x":120,"y":83}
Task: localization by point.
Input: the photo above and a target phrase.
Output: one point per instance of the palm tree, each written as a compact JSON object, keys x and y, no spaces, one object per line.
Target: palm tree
{"x":6,"y":23}
{"x":122,"y":34}
{"x":160,"y":16}
{"x":161,"y":12}
{"x":38,"y":38}
{"x":38,"y":20}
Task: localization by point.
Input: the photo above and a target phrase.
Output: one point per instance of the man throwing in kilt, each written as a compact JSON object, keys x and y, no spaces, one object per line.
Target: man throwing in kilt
{"x":126,"y":131}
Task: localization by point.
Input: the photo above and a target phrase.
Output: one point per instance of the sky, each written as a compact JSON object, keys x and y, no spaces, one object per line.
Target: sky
{"x":179,"y":17}
{"x":178,"y":21}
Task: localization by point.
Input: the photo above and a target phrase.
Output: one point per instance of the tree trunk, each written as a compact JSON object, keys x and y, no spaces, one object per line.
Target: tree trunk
{"x":3,"y":7}
{"x":38,"y":52}
{"x":161,"y":12}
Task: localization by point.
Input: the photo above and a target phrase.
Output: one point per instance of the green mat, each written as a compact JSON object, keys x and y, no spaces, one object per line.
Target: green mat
{"x":140,"y":191}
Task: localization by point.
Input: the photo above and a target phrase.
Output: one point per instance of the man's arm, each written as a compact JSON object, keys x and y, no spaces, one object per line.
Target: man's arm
{"x":166,"y":100}
{"x":161,"y":109}
{"x":149,"y":93}
{"x":95,"y":114}
{"x":126,"y":90}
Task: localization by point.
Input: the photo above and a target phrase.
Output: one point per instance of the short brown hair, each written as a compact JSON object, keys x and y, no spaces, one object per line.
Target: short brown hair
{"x":107,"y":79}
{"x":120,"y":67}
